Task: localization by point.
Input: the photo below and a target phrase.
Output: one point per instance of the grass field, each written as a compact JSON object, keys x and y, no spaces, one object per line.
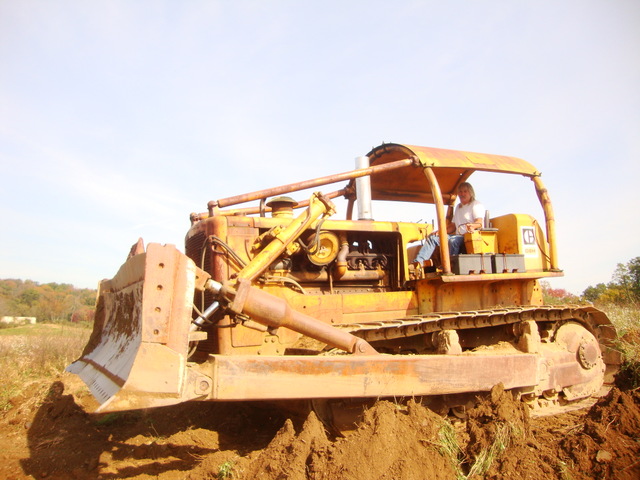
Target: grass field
{"x":34,"y":352}
{"x":626,"y":319}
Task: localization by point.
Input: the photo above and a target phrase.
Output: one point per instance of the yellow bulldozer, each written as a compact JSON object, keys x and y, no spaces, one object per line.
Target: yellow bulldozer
{"x":276,"y":299}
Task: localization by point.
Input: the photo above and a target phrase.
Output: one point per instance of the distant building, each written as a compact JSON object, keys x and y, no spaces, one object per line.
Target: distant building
{"x":18,"y":320}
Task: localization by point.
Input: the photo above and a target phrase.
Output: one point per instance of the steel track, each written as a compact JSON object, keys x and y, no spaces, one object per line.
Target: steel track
{"x":547,"y":316}
{"x":553,"y":316}
{"x":593,"y":319}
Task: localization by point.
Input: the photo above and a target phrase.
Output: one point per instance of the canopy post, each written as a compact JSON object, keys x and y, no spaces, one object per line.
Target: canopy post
{"x":550,"y":221}
{"x":442,"y":221}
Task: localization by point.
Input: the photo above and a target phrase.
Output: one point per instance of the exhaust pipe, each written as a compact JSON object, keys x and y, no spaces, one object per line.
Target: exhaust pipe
{"x":363,"y":191}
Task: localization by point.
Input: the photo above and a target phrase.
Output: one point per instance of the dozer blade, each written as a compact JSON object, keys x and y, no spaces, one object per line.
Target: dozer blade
{"x":136,"y":355}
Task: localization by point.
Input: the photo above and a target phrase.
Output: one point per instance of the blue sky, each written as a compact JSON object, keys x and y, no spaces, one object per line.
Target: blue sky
{"x":119,"y":118}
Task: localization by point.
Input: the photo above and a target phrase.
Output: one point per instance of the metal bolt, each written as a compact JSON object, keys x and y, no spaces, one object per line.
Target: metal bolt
{"x":588,"y":355}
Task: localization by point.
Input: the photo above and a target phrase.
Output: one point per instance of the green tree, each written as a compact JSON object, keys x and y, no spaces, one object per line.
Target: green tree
{"x":627,"y":278}
{"x":591,"y":294}
{"x":624,"y":286}
{"x":29,"y":297}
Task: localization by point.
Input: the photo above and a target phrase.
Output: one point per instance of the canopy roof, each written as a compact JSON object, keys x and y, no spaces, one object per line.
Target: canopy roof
{"x":404,"y":182}
{"x":451,"y":167}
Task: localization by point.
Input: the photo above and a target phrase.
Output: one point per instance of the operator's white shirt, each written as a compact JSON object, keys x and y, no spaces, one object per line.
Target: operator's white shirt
{"x":468,"y":213}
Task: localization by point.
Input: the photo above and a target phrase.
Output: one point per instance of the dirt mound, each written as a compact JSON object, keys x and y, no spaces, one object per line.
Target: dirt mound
{"x":49,"y":434}
{"x":393,"y":442}
{"x":608,"y":444}
{"x":602,"y":442}
{"x":499,"y":417}
{"x":499,"y":442}
{"x":289,"y":455}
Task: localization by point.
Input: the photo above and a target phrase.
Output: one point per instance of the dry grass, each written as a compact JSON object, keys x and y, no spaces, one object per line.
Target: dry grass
{"x":504,"y":436}
{"x":626,"y":319}
{"x":450,"y":447}
{"x":34,"y":352}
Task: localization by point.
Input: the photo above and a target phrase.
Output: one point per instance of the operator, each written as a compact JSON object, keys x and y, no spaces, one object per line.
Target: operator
{"x":467,"y":217}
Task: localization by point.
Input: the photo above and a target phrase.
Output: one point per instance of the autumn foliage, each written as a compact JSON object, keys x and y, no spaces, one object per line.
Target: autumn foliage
{"x":49,"y":302}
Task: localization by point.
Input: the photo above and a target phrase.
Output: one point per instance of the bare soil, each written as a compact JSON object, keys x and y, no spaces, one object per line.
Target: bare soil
{"x":49,"y":434}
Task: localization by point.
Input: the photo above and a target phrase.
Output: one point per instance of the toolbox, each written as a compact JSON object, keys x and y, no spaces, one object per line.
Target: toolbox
{"x":507,"y":263}
{"x":484,"y":240}
{"x":471,"y":263}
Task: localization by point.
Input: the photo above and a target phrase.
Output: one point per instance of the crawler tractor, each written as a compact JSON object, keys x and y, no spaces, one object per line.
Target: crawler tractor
{"x":277,"y":299}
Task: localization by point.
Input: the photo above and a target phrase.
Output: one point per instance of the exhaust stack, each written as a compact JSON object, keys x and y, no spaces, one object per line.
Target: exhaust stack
{"x":363,"y":191}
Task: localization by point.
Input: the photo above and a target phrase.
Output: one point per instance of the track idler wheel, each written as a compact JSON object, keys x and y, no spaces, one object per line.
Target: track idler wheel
{"x":576,"y":339}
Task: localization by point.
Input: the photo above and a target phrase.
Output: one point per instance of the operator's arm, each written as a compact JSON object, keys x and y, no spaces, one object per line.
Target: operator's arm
{"x":451,"y":229}
{"x":477,"y":223}
{"x":478,"y":213}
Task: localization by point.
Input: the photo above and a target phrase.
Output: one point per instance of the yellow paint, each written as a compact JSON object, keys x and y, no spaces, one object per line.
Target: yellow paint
{"x":440,"y":157}
{"x":522,"y":234}
{"x":481,"y":241}
{"x":477,"y":292}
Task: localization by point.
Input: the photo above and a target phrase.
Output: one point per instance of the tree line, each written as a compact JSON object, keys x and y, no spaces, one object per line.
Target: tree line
{"x":60,"y":301}
{"x":49,"y":302}
{"x":623,"y":289}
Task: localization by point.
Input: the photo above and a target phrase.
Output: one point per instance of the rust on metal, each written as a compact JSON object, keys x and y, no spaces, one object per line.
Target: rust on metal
{"x":318,"y":206}
{"x":273,"y":378}
{"x":271,"y":192}
{"x":259,"y":305}
{"x":273,"y":311}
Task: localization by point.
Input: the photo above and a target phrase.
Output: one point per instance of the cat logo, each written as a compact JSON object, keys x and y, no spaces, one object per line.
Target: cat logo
{"x":529,"y":242}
